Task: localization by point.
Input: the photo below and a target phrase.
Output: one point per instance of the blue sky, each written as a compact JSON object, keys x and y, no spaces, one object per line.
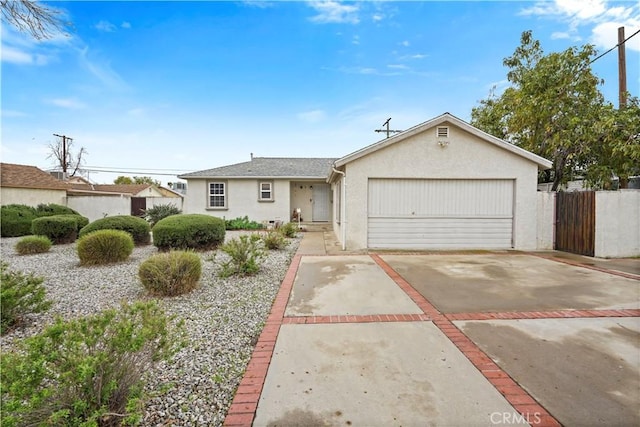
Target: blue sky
{"x":170,"y":87}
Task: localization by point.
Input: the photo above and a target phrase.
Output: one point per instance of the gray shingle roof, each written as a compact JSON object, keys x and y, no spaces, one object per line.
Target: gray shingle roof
{"x":270,"y":167}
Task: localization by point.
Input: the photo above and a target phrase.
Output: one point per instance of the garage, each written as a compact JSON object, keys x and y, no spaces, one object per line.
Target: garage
{"x":442,"y":184}
{"x":440,"y":213}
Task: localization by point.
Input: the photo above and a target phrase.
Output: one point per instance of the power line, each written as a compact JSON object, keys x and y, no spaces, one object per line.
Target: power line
{"x":619,"y":44}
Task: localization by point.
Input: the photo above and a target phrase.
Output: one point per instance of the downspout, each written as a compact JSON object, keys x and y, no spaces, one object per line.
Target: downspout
{"x":343,"y":207}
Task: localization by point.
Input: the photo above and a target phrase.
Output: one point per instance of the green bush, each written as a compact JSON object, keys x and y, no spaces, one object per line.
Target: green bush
{"x":246,"y":253}
{"x":87,"y":371}
{"x":15,"y":220}
{"x":20,"y":294}
{"x":137,"y":227}
{"x":242,"y":223}
{"x":104,"y":247}
{"x":33,"y":245}
{"x":289,"y":229}
{"x":54,"y":209}
{"x":192,"y":231}
{"x":158,"y":212}
{"x":171,"y":273}
{"x":58,"y":228}
{"x":274,"y":240}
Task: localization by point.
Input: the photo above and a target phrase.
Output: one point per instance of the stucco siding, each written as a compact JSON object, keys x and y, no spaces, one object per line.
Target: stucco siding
{"x":242,"y":200}
{"x":465,"y":157}
{"x":617,"y":223}
{"x":546,"y":220}
{"x":31,"y":197}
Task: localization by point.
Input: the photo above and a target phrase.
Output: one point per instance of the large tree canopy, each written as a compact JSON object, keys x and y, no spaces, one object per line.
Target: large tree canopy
{"x":554,"y":108}
{"x":136,"y":180}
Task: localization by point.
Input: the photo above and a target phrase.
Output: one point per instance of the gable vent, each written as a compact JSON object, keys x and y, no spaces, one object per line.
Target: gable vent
{"x":442,"y":132}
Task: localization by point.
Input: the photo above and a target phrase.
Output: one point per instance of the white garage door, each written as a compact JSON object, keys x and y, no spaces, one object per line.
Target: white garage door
{"x":440,"y":213}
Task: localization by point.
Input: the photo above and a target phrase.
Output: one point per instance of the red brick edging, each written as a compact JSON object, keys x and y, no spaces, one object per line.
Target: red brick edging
{"x":521,"y":401}
{"x":245,"y":402}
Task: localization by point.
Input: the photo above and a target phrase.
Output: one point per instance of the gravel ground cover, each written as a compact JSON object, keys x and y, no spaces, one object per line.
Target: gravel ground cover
{"x":223,"y":319}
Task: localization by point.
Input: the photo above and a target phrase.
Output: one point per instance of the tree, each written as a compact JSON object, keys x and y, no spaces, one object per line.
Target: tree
{"x":32,"y":17}
{"x":62,"y":152}
{"x":137,"y":180}
{"x":552,"y":107}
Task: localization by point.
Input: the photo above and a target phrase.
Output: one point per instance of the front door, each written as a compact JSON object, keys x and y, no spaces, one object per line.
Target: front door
{"x":320,"y":209}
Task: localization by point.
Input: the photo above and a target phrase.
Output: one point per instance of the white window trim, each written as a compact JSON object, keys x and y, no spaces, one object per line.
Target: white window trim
{"x":225,"y":195}
{"x":271,"y":197}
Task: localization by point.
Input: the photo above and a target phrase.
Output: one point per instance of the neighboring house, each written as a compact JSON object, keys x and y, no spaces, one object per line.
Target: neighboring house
{"x":442,"y":184}
{"x":265,"y":189}
{"x":28,"y":185}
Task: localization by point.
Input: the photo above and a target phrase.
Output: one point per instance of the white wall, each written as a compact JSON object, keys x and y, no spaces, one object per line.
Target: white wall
{"x":31,"y":197}
{"x":617,"y":223}
{"x":420,"y":156}
{"x":155,"y":201}
{"x":242,"y":200}
{"x":96,"y":207}
{"x":546,"y":208}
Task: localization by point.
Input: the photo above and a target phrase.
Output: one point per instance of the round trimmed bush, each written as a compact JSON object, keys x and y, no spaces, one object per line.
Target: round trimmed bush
{"x":54,"y":209}
{"x":33,"y":245}
{"x":15,"y":220}
{"x":190,"y":231}
{"x":104,"y":247}
{"x":137,"y":227}
{"x":171,"y":273}
{"x":58,"y":228}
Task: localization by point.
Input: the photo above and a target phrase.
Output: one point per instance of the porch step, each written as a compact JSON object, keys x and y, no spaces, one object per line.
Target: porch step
{"x":315,"y":226}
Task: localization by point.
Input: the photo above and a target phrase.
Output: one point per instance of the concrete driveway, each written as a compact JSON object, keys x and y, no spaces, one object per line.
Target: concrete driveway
{"x":445,"y":340}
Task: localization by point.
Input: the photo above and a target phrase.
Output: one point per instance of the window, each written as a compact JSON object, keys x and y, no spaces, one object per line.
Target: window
{"x":218,"y":195}
{"x":265,"y":191}
{"x":442,"y":132}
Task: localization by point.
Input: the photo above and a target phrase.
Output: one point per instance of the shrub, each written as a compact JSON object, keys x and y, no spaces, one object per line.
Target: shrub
{"x":20,"y":294}
{"x":58,"y":228}
{"x":104,"y":247}
{"x":246,"y":253}
{"x":15,"y":220}
{"x":158,"y":212}
{"x":33,"y":245}
{"x":87,"y":371}
{"x":171,"y":273}
{"x":54,"y":209}
{"x":289,"y":229}
{"x":192,"y":231}
{"x":274,"y":240}
{"x":137,"y":227}
{"x":242,"y":223}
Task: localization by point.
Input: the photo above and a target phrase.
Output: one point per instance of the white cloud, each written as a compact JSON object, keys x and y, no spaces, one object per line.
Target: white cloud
{"x":69,"y":103}
{"x":102,"y":71}
{"x":126,"y":25}
{"x":405,"y":43}
{"x":355,"y":40}
{"x":17,"y":56}
{"x":136,"y":112}
{"x":12,"y":113}
{"x":313,"y":116}
{"x":603,"y":19}
{"x":377,"y":17}
{"x":105,"y":26}
{"x":398,"y":66}
{"x":333,"y":12}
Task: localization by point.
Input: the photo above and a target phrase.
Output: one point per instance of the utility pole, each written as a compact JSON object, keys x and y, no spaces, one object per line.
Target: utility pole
{"x":387,"y":130}
{"x":64,"y":151}
{"x":622,"y":70}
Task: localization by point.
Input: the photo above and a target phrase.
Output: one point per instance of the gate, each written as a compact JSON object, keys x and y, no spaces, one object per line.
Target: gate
{"x":576,"y":222}
{"x":138,"y":205}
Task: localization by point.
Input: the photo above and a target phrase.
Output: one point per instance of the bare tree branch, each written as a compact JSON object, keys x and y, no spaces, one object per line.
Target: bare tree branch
{"x":31,"y":16}
{"x":72,"y":163}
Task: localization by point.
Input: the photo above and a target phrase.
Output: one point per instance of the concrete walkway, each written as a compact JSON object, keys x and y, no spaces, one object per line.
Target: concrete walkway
{"x":385,"y":340}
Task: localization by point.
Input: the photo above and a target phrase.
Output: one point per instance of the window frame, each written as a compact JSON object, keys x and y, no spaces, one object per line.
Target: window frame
{"x":224,"y":195}
{"x":271,"y":197}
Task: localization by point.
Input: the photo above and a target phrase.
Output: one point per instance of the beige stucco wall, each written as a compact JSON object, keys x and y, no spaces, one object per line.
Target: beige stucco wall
{"x":96,"y":207}
{"x":242,"y":199}
{"x":546,"y":207}
{"x":31,"y":197}
{"x":617,"y":223}
{"x":420,"y":156}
